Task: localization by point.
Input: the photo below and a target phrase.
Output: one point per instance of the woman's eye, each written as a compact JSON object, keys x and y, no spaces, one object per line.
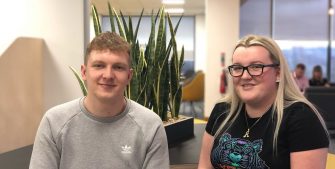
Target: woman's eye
{"x":255,"y":66}
{"x":237,"y":68}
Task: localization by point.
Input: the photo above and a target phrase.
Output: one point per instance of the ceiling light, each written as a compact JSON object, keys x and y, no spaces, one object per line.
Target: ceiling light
{"x":174,"y":10}
{"x":331,"y":11}
{"x":173,"y":2}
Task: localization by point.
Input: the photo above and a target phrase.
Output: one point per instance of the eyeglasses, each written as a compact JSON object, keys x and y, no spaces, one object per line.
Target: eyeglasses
{"x":253,"y":69}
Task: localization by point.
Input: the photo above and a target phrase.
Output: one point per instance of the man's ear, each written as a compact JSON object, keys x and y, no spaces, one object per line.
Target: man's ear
{"x":130,"y":74}
{"x":83,"y":72}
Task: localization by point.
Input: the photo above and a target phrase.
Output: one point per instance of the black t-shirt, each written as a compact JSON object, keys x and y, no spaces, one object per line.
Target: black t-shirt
{"x":300,"y":130}
{"x":316,"y":82}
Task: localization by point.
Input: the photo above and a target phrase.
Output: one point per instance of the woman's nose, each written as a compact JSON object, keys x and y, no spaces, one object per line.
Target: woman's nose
{"x":245,"y":74}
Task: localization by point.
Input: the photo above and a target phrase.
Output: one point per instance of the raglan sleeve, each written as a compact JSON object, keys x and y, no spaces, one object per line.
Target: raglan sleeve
{"x":45,"y":153}
{"x":216,"y":118}
{"x":157,"y":155}
{"x":304,"y":130}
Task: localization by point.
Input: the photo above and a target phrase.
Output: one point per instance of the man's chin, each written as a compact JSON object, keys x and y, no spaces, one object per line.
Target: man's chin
{"x":109,"y":98}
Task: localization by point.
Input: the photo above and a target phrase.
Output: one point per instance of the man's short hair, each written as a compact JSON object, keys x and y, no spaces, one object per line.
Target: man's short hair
{"x":108,"y":41}
{"x":301,"y":66}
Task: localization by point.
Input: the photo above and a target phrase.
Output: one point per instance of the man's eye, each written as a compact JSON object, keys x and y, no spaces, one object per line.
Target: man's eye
{"x":119,"y":67}
{"x":98,"y":65}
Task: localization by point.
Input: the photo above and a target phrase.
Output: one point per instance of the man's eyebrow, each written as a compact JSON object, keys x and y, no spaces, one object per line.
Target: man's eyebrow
{"x":97,"y":61}
{"x":120,"y":63}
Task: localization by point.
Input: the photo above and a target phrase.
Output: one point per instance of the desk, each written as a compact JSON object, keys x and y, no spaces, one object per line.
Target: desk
{"x":188,"y":151}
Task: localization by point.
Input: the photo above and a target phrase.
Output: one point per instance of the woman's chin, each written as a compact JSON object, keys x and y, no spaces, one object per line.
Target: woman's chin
{"x":248,"y":99}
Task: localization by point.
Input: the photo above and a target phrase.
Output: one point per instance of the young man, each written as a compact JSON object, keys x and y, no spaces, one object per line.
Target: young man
{"x":299,"y":76}
{"x":104,"y":129}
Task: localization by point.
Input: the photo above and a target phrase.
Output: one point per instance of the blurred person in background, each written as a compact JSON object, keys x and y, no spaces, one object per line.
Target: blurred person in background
{"x":299,"y":76}
{"x":317,"y":77}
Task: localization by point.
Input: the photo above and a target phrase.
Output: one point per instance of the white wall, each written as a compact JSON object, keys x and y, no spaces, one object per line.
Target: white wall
{"x":222,"y":32}
{"x":200,"y":43}
{"x":61,"y":24}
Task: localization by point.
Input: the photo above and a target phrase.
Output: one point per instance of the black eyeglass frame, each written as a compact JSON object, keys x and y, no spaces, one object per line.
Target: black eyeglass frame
{"x":230,"y":68}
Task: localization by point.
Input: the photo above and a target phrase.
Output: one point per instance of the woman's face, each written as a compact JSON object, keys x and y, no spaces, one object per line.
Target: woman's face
{"x":255,"y":90}
{"x":317,"y":75}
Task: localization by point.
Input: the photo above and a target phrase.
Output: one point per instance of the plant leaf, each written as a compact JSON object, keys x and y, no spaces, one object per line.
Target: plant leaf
{"x":80,"y":81}
{"x":111,"y":17}
{"x":120,"y":27}
{"x":96,"y":21}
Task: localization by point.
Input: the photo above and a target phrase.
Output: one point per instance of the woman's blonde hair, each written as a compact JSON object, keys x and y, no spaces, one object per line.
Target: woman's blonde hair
{"x":287,"y":91}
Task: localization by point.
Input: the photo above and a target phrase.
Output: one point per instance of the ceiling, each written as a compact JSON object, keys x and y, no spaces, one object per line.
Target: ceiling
{"x":134,"y":7}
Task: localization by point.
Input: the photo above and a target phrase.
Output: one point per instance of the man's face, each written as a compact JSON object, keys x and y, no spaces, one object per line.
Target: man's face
{"x":299,"y":72}
{"x":106,"y":74}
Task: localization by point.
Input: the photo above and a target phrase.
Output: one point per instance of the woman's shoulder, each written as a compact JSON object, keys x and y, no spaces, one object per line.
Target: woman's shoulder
{"x":298,"y":108}
{"x":300,"y":122}
{"x":298,"y":105}
{"x":300,"y":112}
{"x":221,"y":106}
{"x":325,"y":80}
{"x":219,"y":109}
{"x":217,"y":116}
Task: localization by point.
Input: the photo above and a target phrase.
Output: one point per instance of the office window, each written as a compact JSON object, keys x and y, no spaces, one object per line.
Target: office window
{"x":332,"y":60}
{"x":255,"y":17}
{"x":300,"y":20}
{"x":310,"y":53}
{"x":299,"y":26}
{"x":185,"y":35}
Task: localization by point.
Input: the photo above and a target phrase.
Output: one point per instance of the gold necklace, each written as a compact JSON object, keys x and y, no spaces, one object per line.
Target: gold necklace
{"x":246,"y":135}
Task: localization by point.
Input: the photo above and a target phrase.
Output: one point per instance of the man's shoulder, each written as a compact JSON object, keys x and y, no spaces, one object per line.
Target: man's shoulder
{"x":145,"y":119}
{"x":63,"y":112}
{"x":142,"y":114}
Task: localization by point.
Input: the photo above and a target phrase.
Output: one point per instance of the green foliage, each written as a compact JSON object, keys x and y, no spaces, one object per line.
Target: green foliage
{"x":157,"y":67}
{"x":81,"y":82}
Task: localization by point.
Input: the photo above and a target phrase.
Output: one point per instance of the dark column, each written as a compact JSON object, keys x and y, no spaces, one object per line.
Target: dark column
{"x":330,"y":37}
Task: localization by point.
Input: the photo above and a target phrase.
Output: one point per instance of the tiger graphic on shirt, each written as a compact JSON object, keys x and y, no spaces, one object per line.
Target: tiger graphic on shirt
{"x":237,"y":153}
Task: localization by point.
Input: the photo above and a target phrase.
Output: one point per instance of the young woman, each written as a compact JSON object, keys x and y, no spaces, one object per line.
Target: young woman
{"x":264,"y":121}
{"x":317,"y":78}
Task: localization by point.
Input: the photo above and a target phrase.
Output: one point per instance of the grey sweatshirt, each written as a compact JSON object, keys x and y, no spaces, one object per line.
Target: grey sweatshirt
{"x":69,"y":137}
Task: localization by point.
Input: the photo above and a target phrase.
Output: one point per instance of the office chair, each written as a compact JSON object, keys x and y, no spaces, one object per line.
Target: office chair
{"x":193,"y":90}
{"x":323,"y":98}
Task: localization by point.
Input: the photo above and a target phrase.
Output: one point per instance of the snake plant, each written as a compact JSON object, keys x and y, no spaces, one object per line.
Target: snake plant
{"x":157,"y":67}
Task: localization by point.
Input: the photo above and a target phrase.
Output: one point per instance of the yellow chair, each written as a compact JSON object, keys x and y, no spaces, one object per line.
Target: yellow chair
{"x":193,"y":89}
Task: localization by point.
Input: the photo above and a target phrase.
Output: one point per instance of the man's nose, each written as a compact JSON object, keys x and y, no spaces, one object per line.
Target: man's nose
{"x":108,"y":72}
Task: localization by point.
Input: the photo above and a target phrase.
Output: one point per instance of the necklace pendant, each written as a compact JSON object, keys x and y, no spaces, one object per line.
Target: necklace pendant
{"x":246,"y":135}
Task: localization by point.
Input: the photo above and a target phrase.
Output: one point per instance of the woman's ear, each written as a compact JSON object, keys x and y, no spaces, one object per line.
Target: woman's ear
{"x":278,"y":75}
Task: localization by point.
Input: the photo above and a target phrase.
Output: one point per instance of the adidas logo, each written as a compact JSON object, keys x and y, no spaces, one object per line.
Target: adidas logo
{"x":126,"y":149}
